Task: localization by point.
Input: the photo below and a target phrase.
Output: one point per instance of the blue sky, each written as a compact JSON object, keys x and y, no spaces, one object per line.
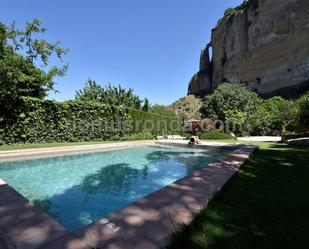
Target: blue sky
{"x":152,"y":46}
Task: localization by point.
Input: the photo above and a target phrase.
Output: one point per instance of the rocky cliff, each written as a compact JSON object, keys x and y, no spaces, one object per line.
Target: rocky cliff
{"x":264,"y":43}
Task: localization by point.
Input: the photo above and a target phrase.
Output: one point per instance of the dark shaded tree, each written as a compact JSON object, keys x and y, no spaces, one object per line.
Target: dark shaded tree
{"x":146,"y":105}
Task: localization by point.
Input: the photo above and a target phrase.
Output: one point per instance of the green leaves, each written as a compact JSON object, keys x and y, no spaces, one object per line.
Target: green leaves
{"x":42,"y":121}
{"x":24,"y":66}
{"x":229,"y":96}
{"x":146,"y":105}
{"x":298,"y":118}
{"x":162,"y":111}
{"x":110,"y":95}
{"x":234,"y":103}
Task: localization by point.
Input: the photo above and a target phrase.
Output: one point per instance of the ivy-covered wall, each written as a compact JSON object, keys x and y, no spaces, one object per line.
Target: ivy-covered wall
{"x":42,"y":121}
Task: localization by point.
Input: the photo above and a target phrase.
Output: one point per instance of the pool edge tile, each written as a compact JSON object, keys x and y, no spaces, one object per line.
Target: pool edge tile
{"x":30,"y":232}
{"x":69,"y":241}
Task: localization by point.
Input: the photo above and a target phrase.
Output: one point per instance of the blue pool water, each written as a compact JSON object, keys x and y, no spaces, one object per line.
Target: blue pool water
{"x":77,"y":189}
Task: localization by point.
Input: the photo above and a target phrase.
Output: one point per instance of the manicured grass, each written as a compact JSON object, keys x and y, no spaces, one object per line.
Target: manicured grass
{"x":265,"y":205}
{"x":48,"y":145}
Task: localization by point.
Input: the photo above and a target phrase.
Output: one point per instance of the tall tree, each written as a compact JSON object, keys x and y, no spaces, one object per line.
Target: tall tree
{"x":92,"y":91}
{"x":25,"y":69}
{"x":229,"y":96}
{"x":110,"y":95}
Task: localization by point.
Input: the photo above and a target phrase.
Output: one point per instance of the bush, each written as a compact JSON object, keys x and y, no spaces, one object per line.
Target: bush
{"x":161,"y":110}
{"x":216,"y":135}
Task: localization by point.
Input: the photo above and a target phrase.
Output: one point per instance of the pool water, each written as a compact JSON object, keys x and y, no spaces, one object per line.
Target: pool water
{"x":77,"y":189}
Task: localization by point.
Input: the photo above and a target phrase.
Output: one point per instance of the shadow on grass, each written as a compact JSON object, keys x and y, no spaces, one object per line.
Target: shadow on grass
{"x":265,"y":205}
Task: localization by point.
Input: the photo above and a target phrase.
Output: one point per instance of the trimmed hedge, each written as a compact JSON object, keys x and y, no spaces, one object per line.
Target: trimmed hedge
{"x":42,"y":121}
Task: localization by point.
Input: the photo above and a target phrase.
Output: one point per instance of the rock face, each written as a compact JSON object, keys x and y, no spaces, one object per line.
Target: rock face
{"x":201,"y":83}
{"x":264,"y":43}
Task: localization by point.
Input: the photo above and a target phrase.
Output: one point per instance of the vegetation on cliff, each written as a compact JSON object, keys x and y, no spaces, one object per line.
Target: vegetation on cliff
{"x":187,"y":107}
{"x":230,"y":12}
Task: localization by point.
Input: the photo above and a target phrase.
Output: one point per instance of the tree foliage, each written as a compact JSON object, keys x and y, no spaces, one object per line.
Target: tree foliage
{"x":146,"y":105}
{"x":162,"y":110}
{"x":92,"y":91}
{"x":235,"y":120}
{"x":229,"y":97}
{"x":110,"y":95}
{"x":25,"y":68}
{"x":235,"y":104}
{"x":270,"y":116}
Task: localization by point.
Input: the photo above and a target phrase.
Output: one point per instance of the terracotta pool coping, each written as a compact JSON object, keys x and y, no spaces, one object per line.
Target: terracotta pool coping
{"x":25,"y":226}
{"x":147,"y":223}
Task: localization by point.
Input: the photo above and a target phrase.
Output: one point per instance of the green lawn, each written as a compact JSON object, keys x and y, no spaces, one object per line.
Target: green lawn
{"x":265,"y":205}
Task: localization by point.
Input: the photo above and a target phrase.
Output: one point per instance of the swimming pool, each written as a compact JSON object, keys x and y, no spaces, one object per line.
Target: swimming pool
{"x":78,"y":189}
